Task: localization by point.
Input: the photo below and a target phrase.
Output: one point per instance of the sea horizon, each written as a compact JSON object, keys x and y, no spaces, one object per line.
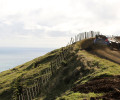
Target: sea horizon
{"x":11,"y":57}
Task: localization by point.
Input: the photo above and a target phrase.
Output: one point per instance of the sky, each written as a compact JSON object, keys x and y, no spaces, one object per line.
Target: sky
{"x":51,"y":23}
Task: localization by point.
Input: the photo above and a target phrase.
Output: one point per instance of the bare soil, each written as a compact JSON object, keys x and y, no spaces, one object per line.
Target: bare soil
{"x":107,"y":53}
{"x":118,"y":38}
{"x":103,"y":51}
{"x":110,"y":86}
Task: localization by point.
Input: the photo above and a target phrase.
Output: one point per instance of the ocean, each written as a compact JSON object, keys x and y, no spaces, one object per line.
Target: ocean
{"x":12,"y":57}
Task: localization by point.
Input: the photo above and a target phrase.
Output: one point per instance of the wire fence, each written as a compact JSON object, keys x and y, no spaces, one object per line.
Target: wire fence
{"x":31,"y":92}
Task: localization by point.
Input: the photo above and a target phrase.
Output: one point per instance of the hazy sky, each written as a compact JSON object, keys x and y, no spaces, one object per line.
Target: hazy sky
{"x":51,"y":23}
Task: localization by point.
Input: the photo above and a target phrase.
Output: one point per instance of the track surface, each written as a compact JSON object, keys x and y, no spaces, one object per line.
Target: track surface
{"x":101,"y":50}
{"x":107,"y":53}
{"x":118,"y":39}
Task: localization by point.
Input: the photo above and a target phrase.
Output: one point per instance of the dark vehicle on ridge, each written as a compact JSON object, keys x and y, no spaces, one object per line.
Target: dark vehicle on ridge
{"x":101,"y":39}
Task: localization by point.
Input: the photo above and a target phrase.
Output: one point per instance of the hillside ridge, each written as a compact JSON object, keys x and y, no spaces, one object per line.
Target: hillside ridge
{"x":51,"y":76}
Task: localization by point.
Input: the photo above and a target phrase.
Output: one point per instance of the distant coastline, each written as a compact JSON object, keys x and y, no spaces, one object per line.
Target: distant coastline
{"x":12,"y":57}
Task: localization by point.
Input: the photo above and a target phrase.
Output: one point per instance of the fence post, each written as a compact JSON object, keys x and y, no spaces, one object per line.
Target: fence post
{"x":85,"y":35}
{"x":27,"y":94}
{"x":42,"y":80}
{"x":22,"y":97}
{"x":19,"y":98}
{"x":72,"y":40}
{"x":60,"y":59}
{"x":92,"y":33}
{"x":38,"y":87}
{"x":40,"y":84}
{"x":30,"y":93}
{"x":89,"y":34}
{"x":98,"y":33}
{"x":45,"y":79}
{"x":79,"y":37}
{"x":75,"y":38}
{"x":33,"y":92}
{"x":52,"y":68}
{"x":82,"y":36}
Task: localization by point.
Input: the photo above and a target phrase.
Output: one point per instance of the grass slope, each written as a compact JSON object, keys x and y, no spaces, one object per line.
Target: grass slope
{"x":28,"y":72}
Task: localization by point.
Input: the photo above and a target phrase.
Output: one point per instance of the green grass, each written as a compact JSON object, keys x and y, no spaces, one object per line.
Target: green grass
{"x":78,"y":96}
{"x":28,"y":70}
{"x":102,"y":67}
{"x":70,"y":74}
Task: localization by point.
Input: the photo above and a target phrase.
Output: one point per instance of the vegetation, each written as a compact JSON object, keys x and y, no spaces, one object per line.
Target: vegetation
{"x":17,"y":88}
{"x":78,"y":96}
{"x":80,"y":67}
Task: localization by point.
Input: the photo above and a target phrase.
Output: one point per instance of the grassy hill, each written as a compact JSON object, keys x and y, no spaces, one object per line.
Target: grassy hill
{"x":74,"y":80}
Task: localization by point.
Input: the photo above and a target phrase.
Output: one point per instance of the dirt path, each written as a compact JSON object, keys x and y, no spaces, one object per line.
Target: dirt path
{"x":106,"y":52}
{"x":101,"y":51}
{"x":118,"y":38}
{"x":108,"y":85}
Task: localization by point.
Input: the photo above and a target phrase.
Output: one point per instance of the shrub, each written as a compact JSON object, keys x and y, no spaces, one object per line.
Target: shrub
{"x":17,"y":88}
{"x":64,"y":63}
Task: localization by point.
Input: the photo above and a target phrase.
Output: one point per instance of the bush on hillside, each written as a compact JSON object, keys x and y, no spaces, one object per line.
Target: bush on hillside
{"x":64,"y":63}
{"x":17,"y":88}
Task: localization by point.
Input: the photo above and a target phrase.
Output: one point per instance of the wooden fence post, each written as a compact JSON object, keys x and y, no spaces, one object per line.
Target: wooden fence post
{"x":19,"y":97}
{"x":58,"y":62}
{"x":51,"y":68}
{"x":46,"y":71}
{"x":40,"y":85}
{"x":45,"y":79}
{"x":30,"y":93}
{"x":42,"y":80}
{"x":72,"y":40}
{"x":79,"y":36}
{"x":37,"y":88}
{"x":82,"y":36}
{"x":88,"y":35}
{"x":22,"y":97}
{"x":98,"y":33}
{"x":92,"y":34}
{"x":62,"y":55}
{"x":75,"y":38}
{"x":33,"y":92}
{"x":85,"y":36}
{"x":60,"y":58}
{"x":27,"y":94}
